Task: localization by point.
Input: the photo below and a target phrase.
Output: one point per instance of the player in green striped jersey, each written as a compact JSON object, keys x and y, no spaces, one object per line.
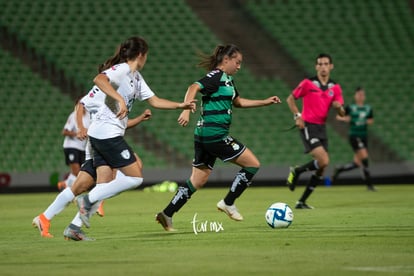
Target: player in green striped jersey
{"x":359,"y":115}
{"x":211,"y":135}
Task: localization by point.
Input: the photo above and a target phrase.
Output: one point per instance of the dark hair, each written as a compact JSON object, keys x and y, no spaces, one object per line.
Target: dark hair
{"x":210,"y":62}
{"x":323,"y":55}
{"x":359,"y":88}
{"x":127,"y":50}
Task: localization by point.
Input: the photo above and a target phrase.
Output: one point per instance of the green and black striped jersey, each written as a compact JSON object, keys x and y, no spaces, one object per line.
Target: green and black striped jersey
{"x":218,"y":92}
{"x":359,"y":116}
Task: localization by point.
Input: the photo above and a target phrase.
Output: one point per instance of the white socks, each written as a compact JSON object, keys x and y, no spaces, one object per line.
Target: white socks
{"x":62,"y":199}
{"x":120,"y":184}
{"x":77,"y":220}
{"x":70,"y":180}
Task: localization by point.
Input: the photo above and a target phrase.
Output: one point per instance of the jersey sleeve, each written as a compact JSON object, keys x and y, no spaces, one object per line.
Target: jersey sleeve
{"x":370,"y":113}
{"x":300,"y":90}
{"x":116,"y":73}
{"x":210,"y":82}
{"x":338,"y":94}
{"x":70,"y":123}
{"x":145,"y":91}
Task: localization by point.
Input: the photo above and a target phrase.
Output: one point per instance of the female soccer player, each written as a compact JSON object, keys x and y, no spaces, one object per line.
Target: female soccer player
{"x":122,"y":83}
{"x":86,"y":177}
{"x":359,"y":115}
{"x":73,"y":147}
{"x":211,"y":135}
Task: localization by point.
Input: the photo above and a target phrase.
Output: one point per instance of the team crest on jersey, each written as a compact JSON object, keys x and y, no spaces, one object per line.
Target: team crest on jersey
{"x":330,"y":93}
{"x":125,"y":154}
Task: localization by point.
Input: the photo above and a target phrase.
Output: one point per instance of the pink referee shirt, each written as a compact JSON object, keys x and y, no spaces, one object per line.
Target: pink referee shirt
{"x":316,"y":100}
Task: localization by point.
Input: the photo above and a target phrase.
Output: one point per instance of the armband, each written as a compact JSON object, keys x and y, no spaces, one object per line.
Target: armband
{"x":297,"y":116}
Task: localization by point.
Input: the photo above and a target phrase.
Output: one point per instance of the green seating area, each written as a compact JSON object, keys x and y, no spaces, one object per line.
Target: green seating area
{"x":32,"y":117}
{"x":371,"y":43}
{"x":78,"y":35}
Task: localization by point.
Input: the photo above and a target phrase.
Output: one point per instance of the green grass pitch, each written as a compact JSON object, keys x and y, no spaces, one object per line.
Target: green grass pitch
{"x":350,"y":232}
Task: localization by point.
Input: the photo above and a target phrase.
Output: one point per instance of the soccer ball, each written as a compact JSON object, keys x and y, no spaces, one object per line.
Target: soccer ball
{"x":279,"y":215}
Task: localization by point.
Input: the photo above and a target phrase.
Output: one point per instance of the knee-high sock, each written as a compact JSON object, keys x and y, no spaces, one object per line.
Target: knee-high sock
{"x":180,"y":198}
{"x":240,"y":183}
{"x":365,"y":169}
{"x":310,"y":166}
{"x":120,"y":184}
{"x":70,"y":180}
{"x":314,"y":181}
{"x":60,"y":202}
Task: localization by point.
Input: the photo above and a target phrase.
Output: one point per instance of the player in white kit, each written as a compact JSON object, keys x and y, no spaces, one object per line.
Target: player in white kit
{"x":73,"y":147}
{"x":86,"y":177}
{"x":122,"y":82}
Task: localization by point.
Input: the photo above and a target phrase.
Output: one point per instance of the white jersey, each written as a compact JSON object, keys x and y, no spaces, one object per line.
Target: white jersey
{"x":131,"y":86}
{"x":71,"y":125}
{"x":92,"y":102}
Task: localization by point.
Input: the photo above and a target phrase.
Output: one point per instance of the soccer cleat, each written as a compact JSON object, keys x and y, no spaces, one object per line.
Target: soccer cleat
{"x":100,"y":210}
{"x":61,"y":185}
{"x":292,"y":179}
{"x":75,"y":235}
{"x":302,"y":205}
{"x":231,"y":210}
{"x":165,"y":221}
{"x":84,"y":210}
{"x":371,"y":188}
{"x":43,"y":224}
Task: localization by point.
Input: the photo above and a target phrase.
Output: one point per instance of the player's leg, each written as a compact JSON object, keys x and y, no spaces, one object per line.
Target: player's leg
{"x":307,"y":136}
{"x":249,"y":166}
{"x":362,"y":157}
{"x":320,"y":155}
{"x":82,"y":183}
{"x":197,"y":180}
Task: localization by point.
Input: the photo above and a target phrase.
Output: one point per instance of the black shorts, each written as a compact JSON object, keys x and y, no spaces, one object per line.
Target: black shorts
{"x":113,"y":152}
{"x":313,"y":136}
{"x":74,"y":156}
{"x":88,"y":167}
{"x":358,"y":143}
{"x":205,"y":154}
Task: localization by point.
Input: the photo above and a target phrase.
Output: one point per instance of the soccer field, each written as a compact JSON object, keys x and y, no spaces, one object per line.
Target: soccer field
{"x":350,"y":232}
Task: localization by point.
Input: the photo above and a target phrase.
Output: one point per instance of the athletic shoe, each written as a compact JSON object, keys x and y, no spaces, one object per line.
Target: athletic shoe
{"x":75,"y":235}
{"x":231,"y":211}
{"x":292,"y":179}
{"x":84,"y":211}
{"x":43,"y":224}
{"x":61,"y":185}
{"x":100,"y":210}
{"x":371,"y":188}
{"x":302,"y":205}
{"x":165,"y":221}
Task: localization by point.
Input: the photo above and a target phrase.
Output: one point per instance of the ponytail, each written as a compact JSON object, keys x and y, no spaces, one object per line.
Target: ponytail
{"x":210,"y":62}
{"x":127,"y":50}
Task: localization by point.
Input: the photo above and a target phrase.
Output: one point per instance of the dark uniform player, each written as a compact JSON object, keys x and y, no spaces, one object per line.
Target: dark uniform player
{"x":359,"y":115}
{"x":211,"y":135}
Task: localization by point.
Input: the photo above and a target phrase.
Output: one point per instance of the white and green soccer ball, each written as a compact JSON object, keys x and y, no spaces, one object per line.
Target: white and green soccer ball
{"x":279,"y":215}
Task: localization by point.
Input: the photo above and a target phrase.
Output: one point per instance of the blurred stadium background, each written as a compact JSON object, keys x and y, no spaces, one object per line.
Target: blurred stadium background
{"x":50,"y":51}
